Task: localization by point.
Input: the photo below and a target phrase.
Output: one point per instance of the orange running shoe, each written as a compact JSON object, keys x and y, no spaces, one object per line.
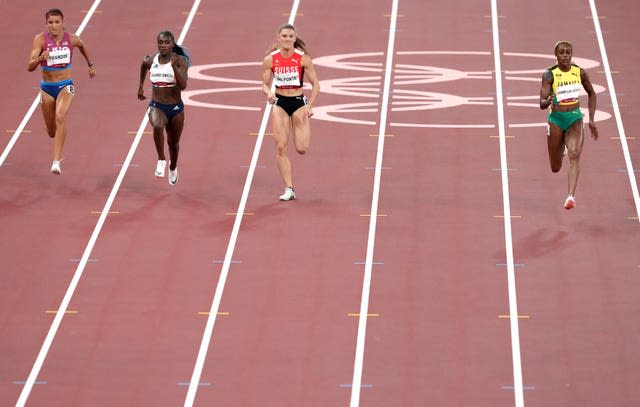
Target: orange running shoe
{"x":570,"y":202}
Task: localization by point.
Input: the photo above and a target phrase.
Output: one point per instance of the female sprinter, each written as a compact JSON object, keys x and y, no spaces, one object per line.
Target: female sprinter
{"x":286,"y":64}
{"x":560,"y":93}
{"x":168,"y":74}
{"x":53,"y":51}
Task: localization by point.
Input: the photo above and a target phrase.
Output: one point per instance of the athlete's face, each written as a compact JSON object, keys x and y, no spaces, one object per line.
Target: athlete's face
{"x":54,"y":24}
{"x":165,"y":44}
{"x":564,"y":53}
{"x":287,"y":37}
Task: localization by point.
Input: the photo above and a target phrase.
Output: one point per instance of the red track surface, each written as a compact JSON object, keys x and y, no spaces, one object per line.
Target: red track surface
{"x":285,"y":336}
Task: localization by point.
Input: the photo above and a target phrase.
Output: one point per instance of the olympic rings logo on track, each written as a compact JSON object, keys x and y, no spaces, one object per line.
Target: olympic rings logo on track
{"x":410,"y":91}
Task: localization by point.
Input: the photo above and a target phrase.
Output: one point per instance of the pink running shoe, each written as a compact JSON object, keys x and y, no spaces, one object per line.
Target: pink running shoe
{"x":570,"y":202}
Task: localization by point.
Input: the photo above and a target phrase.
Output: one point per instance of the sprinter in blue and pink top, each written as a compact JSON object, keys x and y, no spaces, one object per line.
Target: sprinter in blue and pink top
{"x":53,"y":52}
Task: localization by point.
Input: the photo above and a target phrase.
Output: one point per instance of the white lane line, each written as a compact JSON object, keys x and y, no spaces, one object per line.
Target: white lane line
{"x":62,"y":309}
{"x":36,"y":101}
{"x":224,"y":272}
{"x":511,"y":278}
{"x":616,"y":107}
{"x":368,"y":268}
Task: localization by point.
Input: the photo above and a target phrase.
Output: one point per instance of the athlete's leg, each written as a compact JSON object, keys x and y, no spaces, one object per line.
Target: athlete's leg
{"x":301,"y":130}
{"x":48,"y":105}
{"x":174,"y":131}
{"x":574,"y":140}
{"x":555,"y":146}
{"x":63,"y":103}
{"x":158,"y":121}
{"x":281,"y":123}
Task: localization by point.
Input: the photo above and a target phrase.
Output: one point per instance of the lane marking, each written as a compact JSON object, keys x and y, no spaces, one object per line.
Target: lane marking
{"x":108,"y":212}
{"x":199,"y":384}
{"x":224,"y":272}
{"x":380,"y":215}
{"x":53,"y":311}
{"x":616,"y":109}
{"x":373,"y":218}
{"x":62,"y":309}
{"x":518,"y":391}
{"x":36,"y":101}
{"x":144,"y":132}
{"x":244,"y":213}
{"x":221,"y":313}
{"x":357,"y":314}
{"x":519,"y":316}
{"x":15,"y":130}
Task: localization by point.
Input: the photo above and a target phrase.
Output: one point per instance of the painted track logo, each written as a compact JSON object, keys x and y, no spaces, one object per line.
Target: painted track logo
{"x":425,"y":93}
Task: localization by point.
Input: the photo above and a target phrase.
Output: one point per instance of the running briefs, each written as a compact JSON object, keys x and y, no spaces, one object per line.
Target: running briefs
{"x":564,"y":120}
{"x":169,"y":110}
{"x":290,"y":103}
{"x":54,"y":88}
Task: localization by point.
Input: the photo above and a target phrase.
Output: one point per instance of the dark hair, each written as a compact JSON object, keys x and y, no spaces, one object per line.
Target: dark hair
{"x":299,"y":43}
{"x":53,"y":12}
{"x":562,"y":42}
{"x":177,"y":48}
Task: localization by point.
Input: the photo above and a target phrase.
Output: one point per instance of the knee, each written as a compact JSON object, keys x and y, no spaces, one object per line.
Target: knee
{"x":173,"y":144}
{"x":59,"y":120}
{"x":574,"y":155}
{"x":281,"y":149}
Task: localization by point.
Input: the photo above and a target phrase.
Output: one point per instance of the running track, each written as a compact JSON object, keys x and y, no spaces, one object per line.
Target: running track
{"x":426,"y":247}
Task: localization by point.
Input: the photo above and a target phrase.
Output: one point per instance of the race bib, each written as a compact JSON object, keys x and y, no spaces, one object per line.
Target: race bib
{"x":58,"y":56}
{"x":568,"y":93}
{"x":286,"y":77}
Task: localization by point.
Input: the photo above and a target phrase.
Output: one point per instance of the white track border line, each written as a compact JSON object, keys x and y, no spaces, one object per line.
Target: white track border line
{"x":224,"y":272}
{"x":616,"y":108}
{"x":368,"y":268}
{"x":32,"y":109}
{"x":511,"y":279}
{"x":44,"y":350}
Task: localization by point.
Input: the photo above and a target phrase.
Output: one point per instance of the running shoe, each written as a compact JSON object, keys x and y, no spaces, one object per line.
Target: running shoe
{"x":173,"y":176}
{"x":160,"y":168}
{"x":570,"y":202}
{"x":55,"y":168}
{"x":289,"y":194}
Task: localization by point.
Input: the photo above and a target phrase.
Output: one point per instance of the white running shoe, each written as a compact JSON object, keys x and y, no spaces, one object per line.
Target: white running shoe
{"x":289,"y":194}
{"x":160,"y":168}
{"x":173,"y":176}
{"x":55,"y":168}
{"x":570,"y":202}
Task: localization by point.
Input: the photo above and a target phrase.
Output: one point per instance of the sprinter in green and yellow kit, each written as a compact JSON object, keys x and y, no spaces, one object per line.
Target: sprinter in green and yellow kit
{"x":560,"y":93}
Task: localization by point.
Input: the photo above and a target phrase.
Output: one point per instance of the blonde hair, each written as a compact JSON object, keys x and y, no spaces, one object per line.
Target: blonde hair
{"x":562,"y":42}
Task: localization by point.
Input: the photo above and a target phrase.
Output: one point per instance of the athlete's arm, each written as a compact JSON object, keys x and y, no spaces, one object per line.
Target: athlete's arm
{"x":310,"y":73}
{"x":266,"y":79}
{"x":78,"y":43}
{"x":179,"y":65}
{"x":588,"y":87}
{"x":546,"y":97}
{"x":36,"y":56}
{"x":144,"y":68}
